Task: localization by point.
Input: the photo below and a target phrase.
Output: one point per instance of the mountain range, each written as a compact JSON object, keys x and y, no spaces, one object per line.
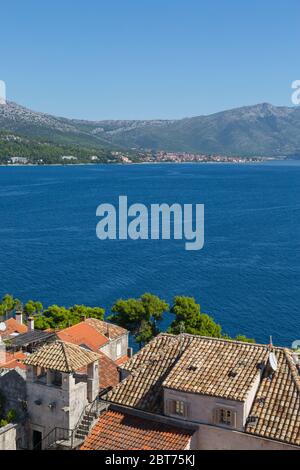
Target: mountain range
{"x":259,"y":130}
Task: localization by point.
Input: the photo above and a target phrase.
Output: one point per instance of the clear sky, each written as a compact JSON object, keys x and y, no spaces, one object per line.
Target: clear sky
{"x":145,"y":59}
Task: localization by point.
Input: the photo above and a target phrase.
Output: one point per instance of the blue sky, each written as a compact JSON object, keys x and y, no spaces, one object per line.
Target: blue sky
{"x":146,"y":59}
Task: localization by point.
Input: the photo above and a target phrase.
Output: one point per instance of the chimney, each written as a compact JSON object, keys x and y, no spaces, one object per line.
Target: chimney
{"x":129,"y":352}
{"x":83,"y":317}
{"x":19,"y":316}
{"x":30,"y":324}
{"x":107,"y":334}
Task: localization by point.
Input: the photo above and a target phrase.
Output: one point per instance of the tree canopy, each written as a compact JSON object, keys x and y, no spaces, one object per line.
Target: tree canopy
{"x":61,"y":317}
{"x":188,"y":315}
{"x":8,"y":304}
{"x":140,"y":316}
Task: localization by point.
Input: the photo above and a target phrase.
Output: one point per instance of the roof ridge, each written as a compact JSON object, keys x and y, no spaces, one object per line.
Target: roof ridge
{"x":225,"y":340}
{"x":64,"y":349}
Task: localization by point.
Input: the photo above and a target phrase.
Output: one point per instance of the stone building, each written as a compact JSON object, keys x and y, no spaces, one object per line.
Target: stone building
{"x":235,"y":395}
{"x":57,"y":393}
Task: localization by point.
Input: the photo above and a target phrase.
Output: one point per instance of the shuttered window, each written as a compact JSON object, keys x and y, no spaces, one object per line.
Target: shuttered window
{"x":225,"y":417}
{"x":177,"y":407}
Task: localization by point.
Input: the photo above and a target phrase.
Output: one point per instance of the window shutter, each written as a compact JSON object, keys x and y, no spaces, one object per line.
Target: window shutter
{"x":170,"y":407}
{"x":217,"y":416}
{"x":187,"y":409}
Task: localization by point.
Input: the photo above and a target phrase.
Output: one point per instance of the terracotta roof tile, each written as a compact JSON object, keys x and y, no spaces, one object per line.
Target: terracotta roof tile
{"x":120,"y":431}
{"x":13,"y":360}
{"x":121,"y":360}
{"x":60,"y":356}
{"x":277,"y":403}
{"x":109,"y":330}
{"x":83,"y":334}
{"x":224,"y":369}
{"x":13,"y":326}
{"x":143,"y":387}
{"x":108,"y":372}
{"x":219,"y":368}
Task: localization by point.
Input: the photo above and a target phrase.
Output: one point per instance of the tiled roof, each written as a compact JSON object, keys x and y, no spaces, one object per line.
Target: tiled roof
{"x":143,"y":387}
{"x":12,"y":361}
{"x":108,"y":372}
{"x":60,"y":356}
{"x":223,"y":368}
{"x":108,"y":329}
{"x":13,"y":326}
{"x":121,"y":360}
{"x":277,"y":403}
{"x":35,"y":336}
{"x":83,"y":334}
{"x":120,"y":431}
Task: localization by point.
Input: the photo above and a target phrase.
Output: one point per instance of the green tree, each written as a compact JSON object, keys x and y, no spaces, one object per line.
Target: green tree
{"x":140,"y":316}
{"x":244,"y":339}
{"x":32,"y":308}
{"x":12,"y":416}
{"x":128,"y":314}
{"x":8,"y":304}
{"x":61,"y":317}
{"x":188,"y":313}
{"x":154,"y":306}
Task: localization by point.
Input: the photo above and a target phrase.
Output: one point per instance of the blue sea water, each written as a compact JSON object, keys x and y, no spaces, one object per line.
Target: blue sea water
{"x":247,"y":276}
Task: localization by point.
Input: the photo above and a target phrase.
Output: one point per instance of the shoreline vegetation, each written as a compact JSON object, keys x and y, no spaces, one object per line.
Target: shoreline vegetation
{"x":20,"y":150}
{"x":142,"y":316}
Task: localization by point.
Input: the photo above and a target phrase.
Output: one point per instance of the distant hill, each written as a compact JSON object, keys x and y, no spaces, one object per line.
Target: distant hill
{"x":260,"y":130}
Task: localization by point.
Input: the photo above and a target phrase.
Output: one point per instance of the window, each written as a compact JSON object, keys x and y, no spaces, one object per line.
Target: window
{"x":225,"y":417}
{"x":179,"y":407}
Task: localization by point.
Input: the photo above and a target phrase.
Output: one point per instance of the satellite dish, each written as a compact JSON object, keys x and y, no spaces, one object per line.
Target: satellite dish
{"x":2,"y":326}
{"x":273,"y":361}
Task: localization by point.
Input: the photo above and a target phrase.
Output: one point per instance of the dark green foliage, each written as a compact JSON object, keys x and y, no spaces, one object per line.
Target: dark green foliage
{"x":10,"y":417}
{"x":140,"y":316}
{"x":61,"y":317}
{"x":32,"y":307}
{"x":188,"y":316}
{"x":8,"y":304}
{"x":37,"y":149}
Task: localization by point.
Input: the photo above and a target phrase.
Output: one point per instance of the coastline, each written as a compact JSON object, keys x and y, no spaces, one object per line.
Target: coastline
{"x":245,"y":162}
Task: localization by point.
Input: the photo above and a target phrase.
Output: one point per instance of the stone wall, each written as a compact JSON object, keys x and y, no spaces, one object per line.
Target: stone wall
{"x":13,"y":387}
{"x":8,"y":437}
{"x":110,"y":349}
{"x":214,"y":438}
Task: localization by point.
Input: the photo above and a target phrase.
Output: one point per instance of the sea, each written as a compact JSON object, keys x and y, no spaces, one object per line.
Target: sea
{"x":247,"y":276}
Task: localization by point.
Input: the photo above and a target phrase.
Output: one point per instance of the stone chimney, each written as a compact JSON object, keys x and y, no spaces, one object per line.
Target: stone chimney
{"x":30,"y":324}
{"x":19,"y":316}
{"x":129,"y":352}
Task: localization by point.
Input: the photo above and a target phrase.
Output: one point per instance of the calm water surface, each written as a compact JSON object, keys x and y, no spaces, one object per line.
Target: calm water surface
{"x":247,"y":276}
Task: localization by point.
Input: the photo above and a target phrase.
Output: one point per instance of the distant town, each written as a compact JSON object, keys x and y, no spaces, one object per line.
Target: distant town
{"x":131,"y":158}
